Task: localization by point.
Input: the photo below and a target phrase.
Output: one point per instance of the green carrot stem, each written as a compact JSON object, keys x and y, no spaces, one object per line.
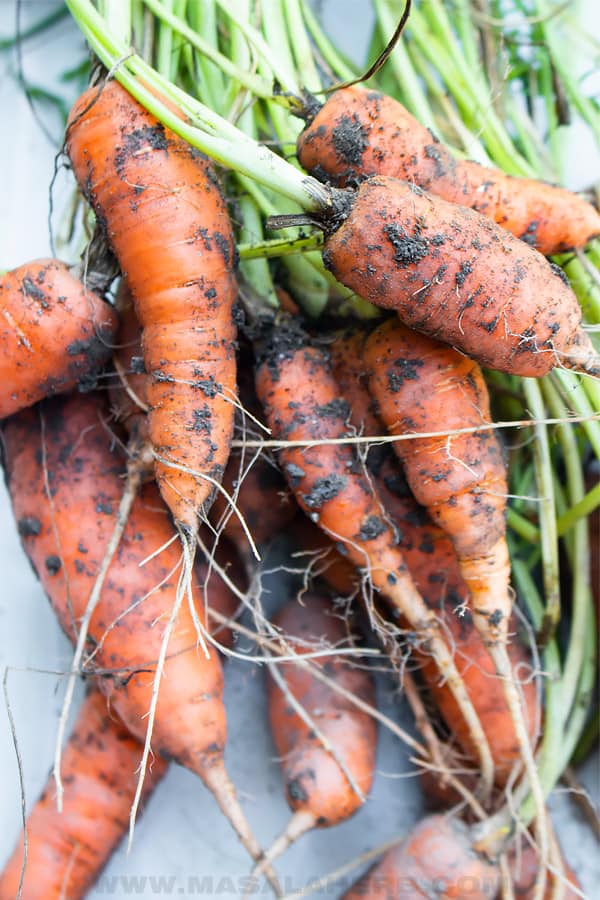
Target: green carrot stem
{"x":273,"y":249}
{"x":165,"y":14}
{"x":301,"y":47}
{"x":411,"y":91}
{"x":580,"y":561}
{"x":203,"y":20}
{"x":225,"y":144}
{"x":332,"y":56}
{"x":284,"y":75}
{"x":548,"y":536}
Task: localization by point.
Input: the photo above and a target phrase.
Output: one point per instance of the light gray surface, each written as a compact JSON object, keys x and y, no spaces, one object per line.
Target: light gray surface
{"x":182,"y":836}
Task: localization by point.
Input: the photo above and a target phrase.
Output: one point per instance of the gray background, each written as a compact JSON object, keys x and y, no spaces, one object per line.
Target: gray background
{"x":182,"y":834}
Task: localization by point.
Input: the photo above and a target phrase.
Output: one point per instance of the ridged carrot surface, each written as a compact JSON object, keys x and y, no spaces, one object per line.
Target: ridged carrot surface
{"x":165,"y":218}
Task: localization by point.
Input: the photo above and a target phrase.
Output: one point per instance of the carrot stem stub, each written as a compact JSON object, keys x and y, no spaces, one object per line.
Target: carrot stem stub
{"x":455,"y":275}
{"x":167,"y":222}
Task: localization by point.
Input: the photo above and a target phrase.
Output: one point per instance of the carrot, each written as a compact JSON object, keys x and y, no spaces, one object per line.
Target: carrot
{"x":66,"y":853}
{"x":453,"y":274}
{"x":460,"y":480}
{"x":303,"y":403}
{"x":433,"y":564}
{"x":65,"y":485}
{"x":361,"y":132}
{"x":436,"y":859}
{"x":167,"y":223}
{"x":54,"y":333}
{"x":319,"y":790}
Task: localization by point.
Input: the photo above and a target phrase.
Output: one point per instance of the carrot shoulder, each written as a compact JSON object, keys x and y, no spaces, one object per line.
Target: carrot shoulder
{"x":456,"y":276}
{"x":66,"y":852}
{"x":362,"y":132}
{"x":167,"y":222}
{"x":54,"y":333}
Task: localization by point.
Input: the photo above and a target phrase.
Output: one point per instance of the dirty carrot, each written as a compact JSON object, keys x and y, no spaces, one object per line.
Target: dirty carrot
{"x":433,"y":563}
{"x":436,"y":859}
{"x":461,"y":481}
{"x":67,"y":852}
{"x":318,"y":789}
{"x":361,"y":132}
{"x":65,"y":485}
{"x":455,"y":275}
{"x":165,"y":218}
{"x":302,"y":402}
{"x":54,"y":332}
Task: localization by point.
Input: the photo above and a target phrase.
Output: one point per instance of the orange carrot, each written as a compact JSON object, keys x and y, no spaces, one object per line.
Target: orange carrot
{"x":432,"y":559}
{"x":67,"y":852}
{"x":453,"y":274}
{"x":361,"y":132}
{"x":461,"y":481}
{"x":65,"y":486}
{"x":54,"y":333}
{"x":436,"y":859}
{"x":318,"y":788}
{"x":303,"y":403}
{"x":422,"y":386}
{"x":167,"y":223}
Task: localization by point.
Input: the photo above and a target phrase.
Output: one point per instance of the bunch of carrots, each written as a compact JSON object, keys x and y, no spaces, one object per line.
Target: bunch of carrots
{"x":362,"y":385}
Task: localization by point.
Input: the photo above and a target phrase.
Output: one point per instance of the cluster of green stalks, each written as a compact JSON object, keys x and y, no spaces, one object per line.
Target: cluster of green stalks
{"x":487,"y":76}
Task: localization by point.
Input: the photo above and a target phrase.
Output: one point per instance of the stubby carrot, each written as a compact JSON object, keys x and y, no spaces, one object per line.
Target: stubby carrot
{"x":456,"y":276}
{"x":303,"y":403}
{"x":54,"y":333}
{"x":318,"y":789}
{"x":66,"y":852}
{"x":165,"y":218}
{"x":360,"y":132}
{"x":65,"y":485}
{"x":436,"y":859}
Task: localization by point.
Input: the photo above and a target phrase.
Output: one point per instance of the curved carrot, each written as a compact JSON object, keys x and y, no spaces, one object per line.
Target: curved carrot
{"x":54,"y":333}
{"x":461,"y":480}
{"x":437,"y":859}
{"x":66,"y":852}
{"x":302,"y":402}
{"x":167,"y":222}
{"x":65,"y":486}
{"x":422,"y":386}
{"x":361,"y":132}
{"x":317,"y":789}
{"x":453,"y":274}
{"x":524,"y":864}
